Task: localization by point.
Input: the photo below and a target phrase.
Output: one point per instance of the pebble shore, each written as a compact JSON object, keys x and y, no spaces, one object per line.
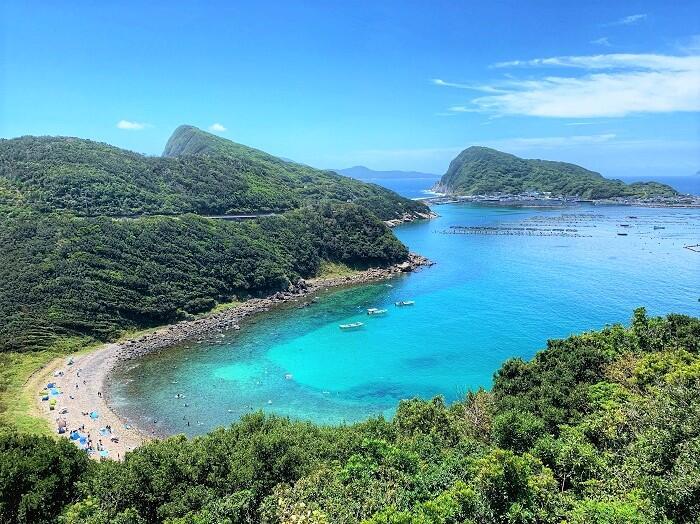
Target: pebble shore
{"x":218,"y":323}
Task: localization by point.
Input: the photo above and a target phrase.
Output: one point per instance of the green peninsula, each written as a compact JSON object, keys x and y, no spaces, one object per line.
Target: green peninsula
{"x":98,"y":240}
{"x":485,"y":171}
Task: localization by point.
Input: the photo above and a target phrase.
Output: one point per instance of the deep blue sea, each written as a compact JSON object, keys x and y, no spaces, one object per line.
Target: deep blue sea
{"x":408,"y":187}
{"x":488,"y":298}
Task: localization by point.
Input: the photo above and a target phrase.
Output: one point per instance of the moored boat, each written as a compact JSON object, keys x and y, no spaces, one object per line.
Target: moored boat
{"x":376,"y":311}
{"x":402,"y":303}
{"x":352,"y":325}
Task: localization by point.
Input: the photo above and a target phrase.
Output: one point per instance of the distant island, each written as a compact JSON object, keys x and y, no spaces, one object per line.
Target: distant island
{"x":366,"y":174}
{"x":488,"y":172}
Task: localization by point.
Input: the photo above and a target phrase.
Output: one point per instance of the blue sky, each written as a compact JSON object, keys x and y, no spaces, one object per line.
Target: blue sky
{"x":614,"y":86}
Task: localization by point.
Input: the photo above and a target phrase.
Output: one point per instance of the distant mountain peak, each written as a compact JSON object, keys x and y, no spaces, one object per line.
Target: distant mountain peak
{"x":190,"y":140}
{"x":365,"y":173}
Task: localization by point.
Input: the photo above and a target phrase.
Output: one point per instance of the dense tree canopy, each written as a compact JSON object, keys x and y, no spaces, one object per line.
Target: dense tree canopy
{"x":95,"y":277}
{"x":619,"y":445}
{"x":481,"y":170}
{"x":216,"y":177}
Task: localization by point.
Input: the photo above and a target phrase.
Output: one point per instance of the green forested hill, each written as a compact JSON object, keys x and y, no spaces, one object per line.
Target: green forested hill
{"x":73,"y":269}
{"x":200,"y":173}
{"x":92,"y":278}
{"x":483,"y":171}
{"x":602,"y":427}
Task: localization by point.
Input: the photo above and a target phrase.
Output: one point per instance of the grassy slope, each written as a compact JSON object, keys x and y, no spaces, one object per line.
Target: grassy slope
{"x":335,"y":270}
{"x":21,"y":377}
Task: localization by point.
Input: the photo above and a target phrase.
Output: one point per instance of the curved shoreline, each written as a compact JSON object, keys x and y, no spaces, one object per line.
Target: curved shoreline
{"x":85,"y":383}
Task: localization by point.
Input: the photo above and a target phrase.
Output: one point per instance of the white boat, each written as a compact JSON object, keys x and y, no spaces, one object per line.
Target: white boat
{"x":402,"y":303}
{"x":352,"y":325}
{"x":376,"y":311}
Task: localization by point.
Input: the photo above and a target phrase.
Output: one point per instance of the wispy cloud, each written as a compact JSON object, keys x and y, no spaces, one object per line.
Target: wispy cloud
{"x":554,"y":141}
{"x":472,"y":87}
{"x":647,"y":61}
{"x":612,"y":85}
{"x":629,"y":20}
{"x":217,"y":128}
{"x":440,"y":82}
{"x":462,"y":109}
{"x":129,"y":125}
{"x":603,"y":40}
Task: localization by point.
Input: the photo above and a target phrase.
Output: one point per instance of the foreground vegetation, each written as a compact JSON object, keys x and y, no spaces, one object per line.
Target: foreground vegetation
{"x":485,"y":171}
{"x":601,"y":427}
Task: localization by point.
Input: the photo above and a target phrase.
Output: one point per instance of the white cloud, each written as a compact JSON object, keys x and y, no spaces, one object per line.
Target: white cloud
{"x":552,"y":141}
{"x":217,"y":128}
{"x":473,"y":87}
{"x":612,"y":85}
{"x":131,"y":126}
{"x":603,"y":40}
{"x":629,"y":20}
{"x":462,"y":109}
{"x":440,"y":82}
{"x":633,"y":61}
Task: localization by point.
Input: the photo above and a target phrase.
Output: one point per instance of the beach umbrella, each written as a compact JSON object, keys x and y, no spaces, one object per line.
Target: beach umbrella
{"x":94,"y":415}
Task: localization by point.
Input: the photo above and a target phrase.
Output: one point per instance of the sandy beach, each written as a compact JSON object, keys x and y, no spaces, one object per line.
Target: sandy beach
{"x":83,"y":383}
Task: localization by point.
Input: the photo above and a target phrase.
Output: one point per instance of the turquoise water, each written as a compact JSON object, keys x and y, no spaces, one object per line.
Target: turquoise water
{"x":489,"y":297}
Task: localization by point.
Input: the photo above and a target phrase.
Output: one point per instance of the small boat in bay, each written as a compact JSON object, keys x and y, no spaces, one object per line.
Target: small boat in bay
{"x":402,"y":303}
{"x":352,"y":325}
{"x":373,"y":311}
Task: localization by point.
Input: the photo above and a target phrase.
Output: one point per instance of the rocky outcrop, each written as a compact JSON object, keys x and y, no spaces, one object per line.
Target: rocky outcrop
{"x":410,"y":217}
